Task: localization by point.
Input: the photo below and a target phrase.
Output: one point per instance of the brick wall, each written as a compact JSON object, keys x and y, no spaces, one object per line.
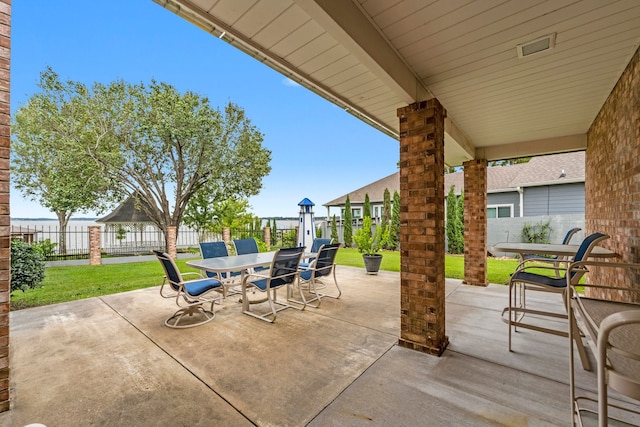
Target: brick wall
{"x":612,"y":184}
{"x":475,"y":222}
{"x":5,"y":148}
{"x":422,"y":296}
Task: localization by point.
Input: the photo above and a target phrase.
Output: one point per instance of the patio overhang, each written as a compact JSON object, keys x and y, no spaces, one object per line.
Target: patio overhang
{"x":371,"y":58}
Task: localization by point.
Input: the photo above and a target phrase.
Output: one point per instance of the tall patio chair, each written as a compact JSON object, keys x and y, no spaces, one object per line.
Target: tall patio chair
{"x":560,"y":260}
{"x":323,"y":266}
{"x":523,"y":280}
{"x":230,"y":281}
{"x":247,"y":246}
{"x":611,"y":318}
{"x":283,"y":272}
{"x":191,"y":295}
{"x":315,"y":247}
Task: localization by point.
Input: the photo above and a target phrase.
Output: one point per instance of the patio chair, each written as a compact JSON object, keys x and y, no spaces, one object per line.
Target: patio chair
{"x":230,"y":281}
{"x":523,"y":280}
{"x":560,"y":260}
{"x":610,"y":316}
{"x":322,"y":266}
{"x":315,"y":247}
{"x":283,"y":272}
{"x":248,"y":246}
{"x":191,"y":295}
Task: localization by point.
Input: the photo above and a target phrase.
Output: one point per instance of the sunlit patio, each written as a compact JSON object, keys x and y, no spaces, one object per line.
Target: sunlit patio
{"x":111,"y":361}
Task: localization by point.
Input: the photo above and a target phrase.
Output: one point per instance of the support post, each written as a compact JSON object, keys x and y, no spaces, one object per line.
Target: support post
{"x":422,"y":284}
{"x":475,"y":222}
{"x":95,"y":245}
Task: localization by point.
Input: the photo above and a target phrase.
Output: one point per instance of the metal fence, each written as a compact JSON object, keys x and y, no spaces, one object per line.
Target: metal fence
{"x":125,"y":240}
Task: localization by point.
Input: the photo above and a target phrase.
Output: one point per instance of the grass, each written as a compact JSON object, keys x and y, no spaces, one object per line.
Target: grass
{"x":63,"y":284}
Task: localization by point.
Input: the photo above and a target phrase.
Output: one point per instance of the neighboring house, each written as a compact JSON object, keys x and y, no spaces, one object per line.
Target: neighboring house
{"x":546,"y":185}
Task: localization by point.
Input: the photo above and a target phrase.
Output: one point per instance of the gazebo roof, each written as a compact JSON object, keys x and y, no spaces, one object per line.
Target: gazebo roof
{"x":129,"y":212}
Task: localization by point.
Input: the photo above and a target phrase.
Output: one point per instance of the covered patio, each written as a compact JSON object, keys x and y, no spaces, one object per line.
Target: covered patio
{"x":111,"y":361}
{"x":456,"y":83}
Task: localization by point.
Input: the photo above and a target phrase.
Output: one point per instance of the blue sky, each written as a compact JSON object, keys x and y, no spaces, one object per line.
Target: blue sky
{"x":318,"y":150}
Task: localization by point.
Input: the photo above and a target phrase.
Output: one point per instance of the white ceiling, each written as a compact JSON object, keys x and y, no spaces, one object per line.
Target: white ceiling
{"x":372,"y":57}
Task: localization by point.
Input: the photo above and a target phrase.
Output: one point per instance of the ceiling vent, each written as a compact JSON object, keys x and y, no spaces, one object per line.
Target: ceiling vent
{"x":540,"y":45}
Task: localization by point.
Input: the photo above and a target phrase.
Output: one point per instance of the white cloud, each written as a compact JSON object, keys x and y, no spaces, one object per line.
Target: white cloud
{"x":288,"y":82}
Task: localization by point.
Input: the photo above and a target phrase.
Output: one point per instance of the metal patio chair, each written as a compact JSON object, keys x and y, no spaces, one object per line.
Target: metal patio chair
{"x":315,"y":247}
{"x":523,"y":280}
{"x":248,"y":246}
{"x":323,"y":266}
{"x":283,"y":272}
{"x":191,"y":295}
{"x":230,"y":281}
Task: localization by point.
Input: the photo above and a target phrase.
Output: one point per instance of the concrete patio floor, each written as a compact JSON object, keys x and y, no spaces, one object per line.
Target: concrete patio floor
{"x":110,"y":361}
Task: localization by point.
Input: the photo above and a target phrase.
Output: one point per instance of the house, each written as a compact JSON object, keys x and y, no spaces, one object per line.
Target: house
{"x":546,"y":185}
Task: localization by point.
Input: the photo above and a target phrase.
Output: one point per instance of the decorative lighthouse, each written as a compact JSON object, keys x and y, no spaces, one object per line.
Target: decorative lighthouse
{"x":306,"y":225}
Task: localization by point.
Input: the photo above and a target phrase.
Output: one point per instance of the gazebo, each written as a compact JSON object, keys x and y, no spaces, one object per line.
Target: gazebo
{"x":130,"y":219}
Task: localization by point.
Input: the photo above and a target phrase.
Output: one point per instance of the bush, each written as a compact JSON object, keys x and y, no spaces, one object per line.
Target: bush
{"x":289,"y":239}
{"x":27,"y":266}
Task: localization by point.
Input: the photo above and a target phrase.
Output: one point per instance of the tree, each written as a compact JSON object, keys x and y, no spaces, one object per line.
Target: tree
{"x":386,"y":207}
{"x":334,"y":230}
{"x":48,"y":163}
{"x":200,"y":214}
{"x":167,"y":147}
{"x":386,"y":217}
{"x":394,"y":232}
{"x":366,"y":208}
{"x":455,"y":241}
{"x":509,"y":162}
{"x":348,"y":226}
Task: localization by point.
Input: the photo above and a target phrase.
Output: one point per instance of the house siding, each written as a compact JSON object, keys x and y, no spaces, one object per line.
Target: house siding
{"x":554,"y":199}
{"x":509,"y":198}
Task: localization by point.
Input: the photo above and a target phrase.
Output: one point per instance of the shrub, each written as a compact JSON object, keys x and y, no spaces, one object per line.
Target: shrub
{"x":27,"y":266}
{"x":536,"y":233}
{"x":46,"y":247}
{"x":289,"y":239}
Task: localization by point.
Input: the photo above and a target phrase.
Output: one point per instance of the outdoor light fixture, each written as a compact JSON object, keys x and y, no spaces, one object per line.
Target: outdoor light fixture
{"x":539,"y":45}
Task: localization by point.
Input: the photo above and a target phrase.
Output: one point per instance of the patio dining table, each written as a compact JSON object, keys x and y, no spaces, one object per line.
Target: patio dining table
{"x":549,"y":249}
{"x":234,"y":263}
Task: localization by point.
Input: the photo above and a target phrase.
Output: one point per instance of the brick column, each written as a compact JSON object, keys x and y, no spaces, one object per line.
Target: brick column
{"x":95,"y":245}
{"x":475,"y":222}
{"x":172,"y":237}
{"x":5,"y":246}
{"x":267,"y":237}
{"x":422,"y":308}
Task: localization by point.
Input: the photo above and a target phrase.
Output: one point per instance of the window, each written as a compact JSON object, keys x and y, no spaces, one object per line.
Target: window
{"x":499,"y":211}
{"x":356,"y":213}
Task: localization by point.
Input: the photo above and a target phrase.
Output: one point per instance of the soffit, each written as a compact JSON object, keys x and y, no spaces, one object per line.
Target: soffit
{"x":372,"y":57}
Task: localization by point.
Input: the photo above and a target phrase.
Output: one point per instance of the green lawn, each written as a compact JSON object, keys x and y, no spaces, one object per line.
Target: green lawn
{"x":76,"y":282}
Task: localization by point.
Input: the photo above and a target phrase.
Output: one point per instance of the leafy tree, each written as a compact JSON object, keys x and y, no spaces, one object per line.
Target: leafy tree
{"x":348,"y":226}
{"x":200,"y":214}
{"x":27,"y":266}
{"x":394,"y":232}
{"x":509,"y":162}
{"x":455,"y":241}
{"x":167,"y":147}
{"x":366,"y":208}
{"x":334,"y":230}
{"x":48,"y":163}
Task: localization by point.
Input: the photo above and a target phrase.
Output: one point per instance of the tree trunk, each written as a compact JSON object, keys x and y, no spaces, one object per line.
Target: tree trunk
{"x":63,"y":220}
